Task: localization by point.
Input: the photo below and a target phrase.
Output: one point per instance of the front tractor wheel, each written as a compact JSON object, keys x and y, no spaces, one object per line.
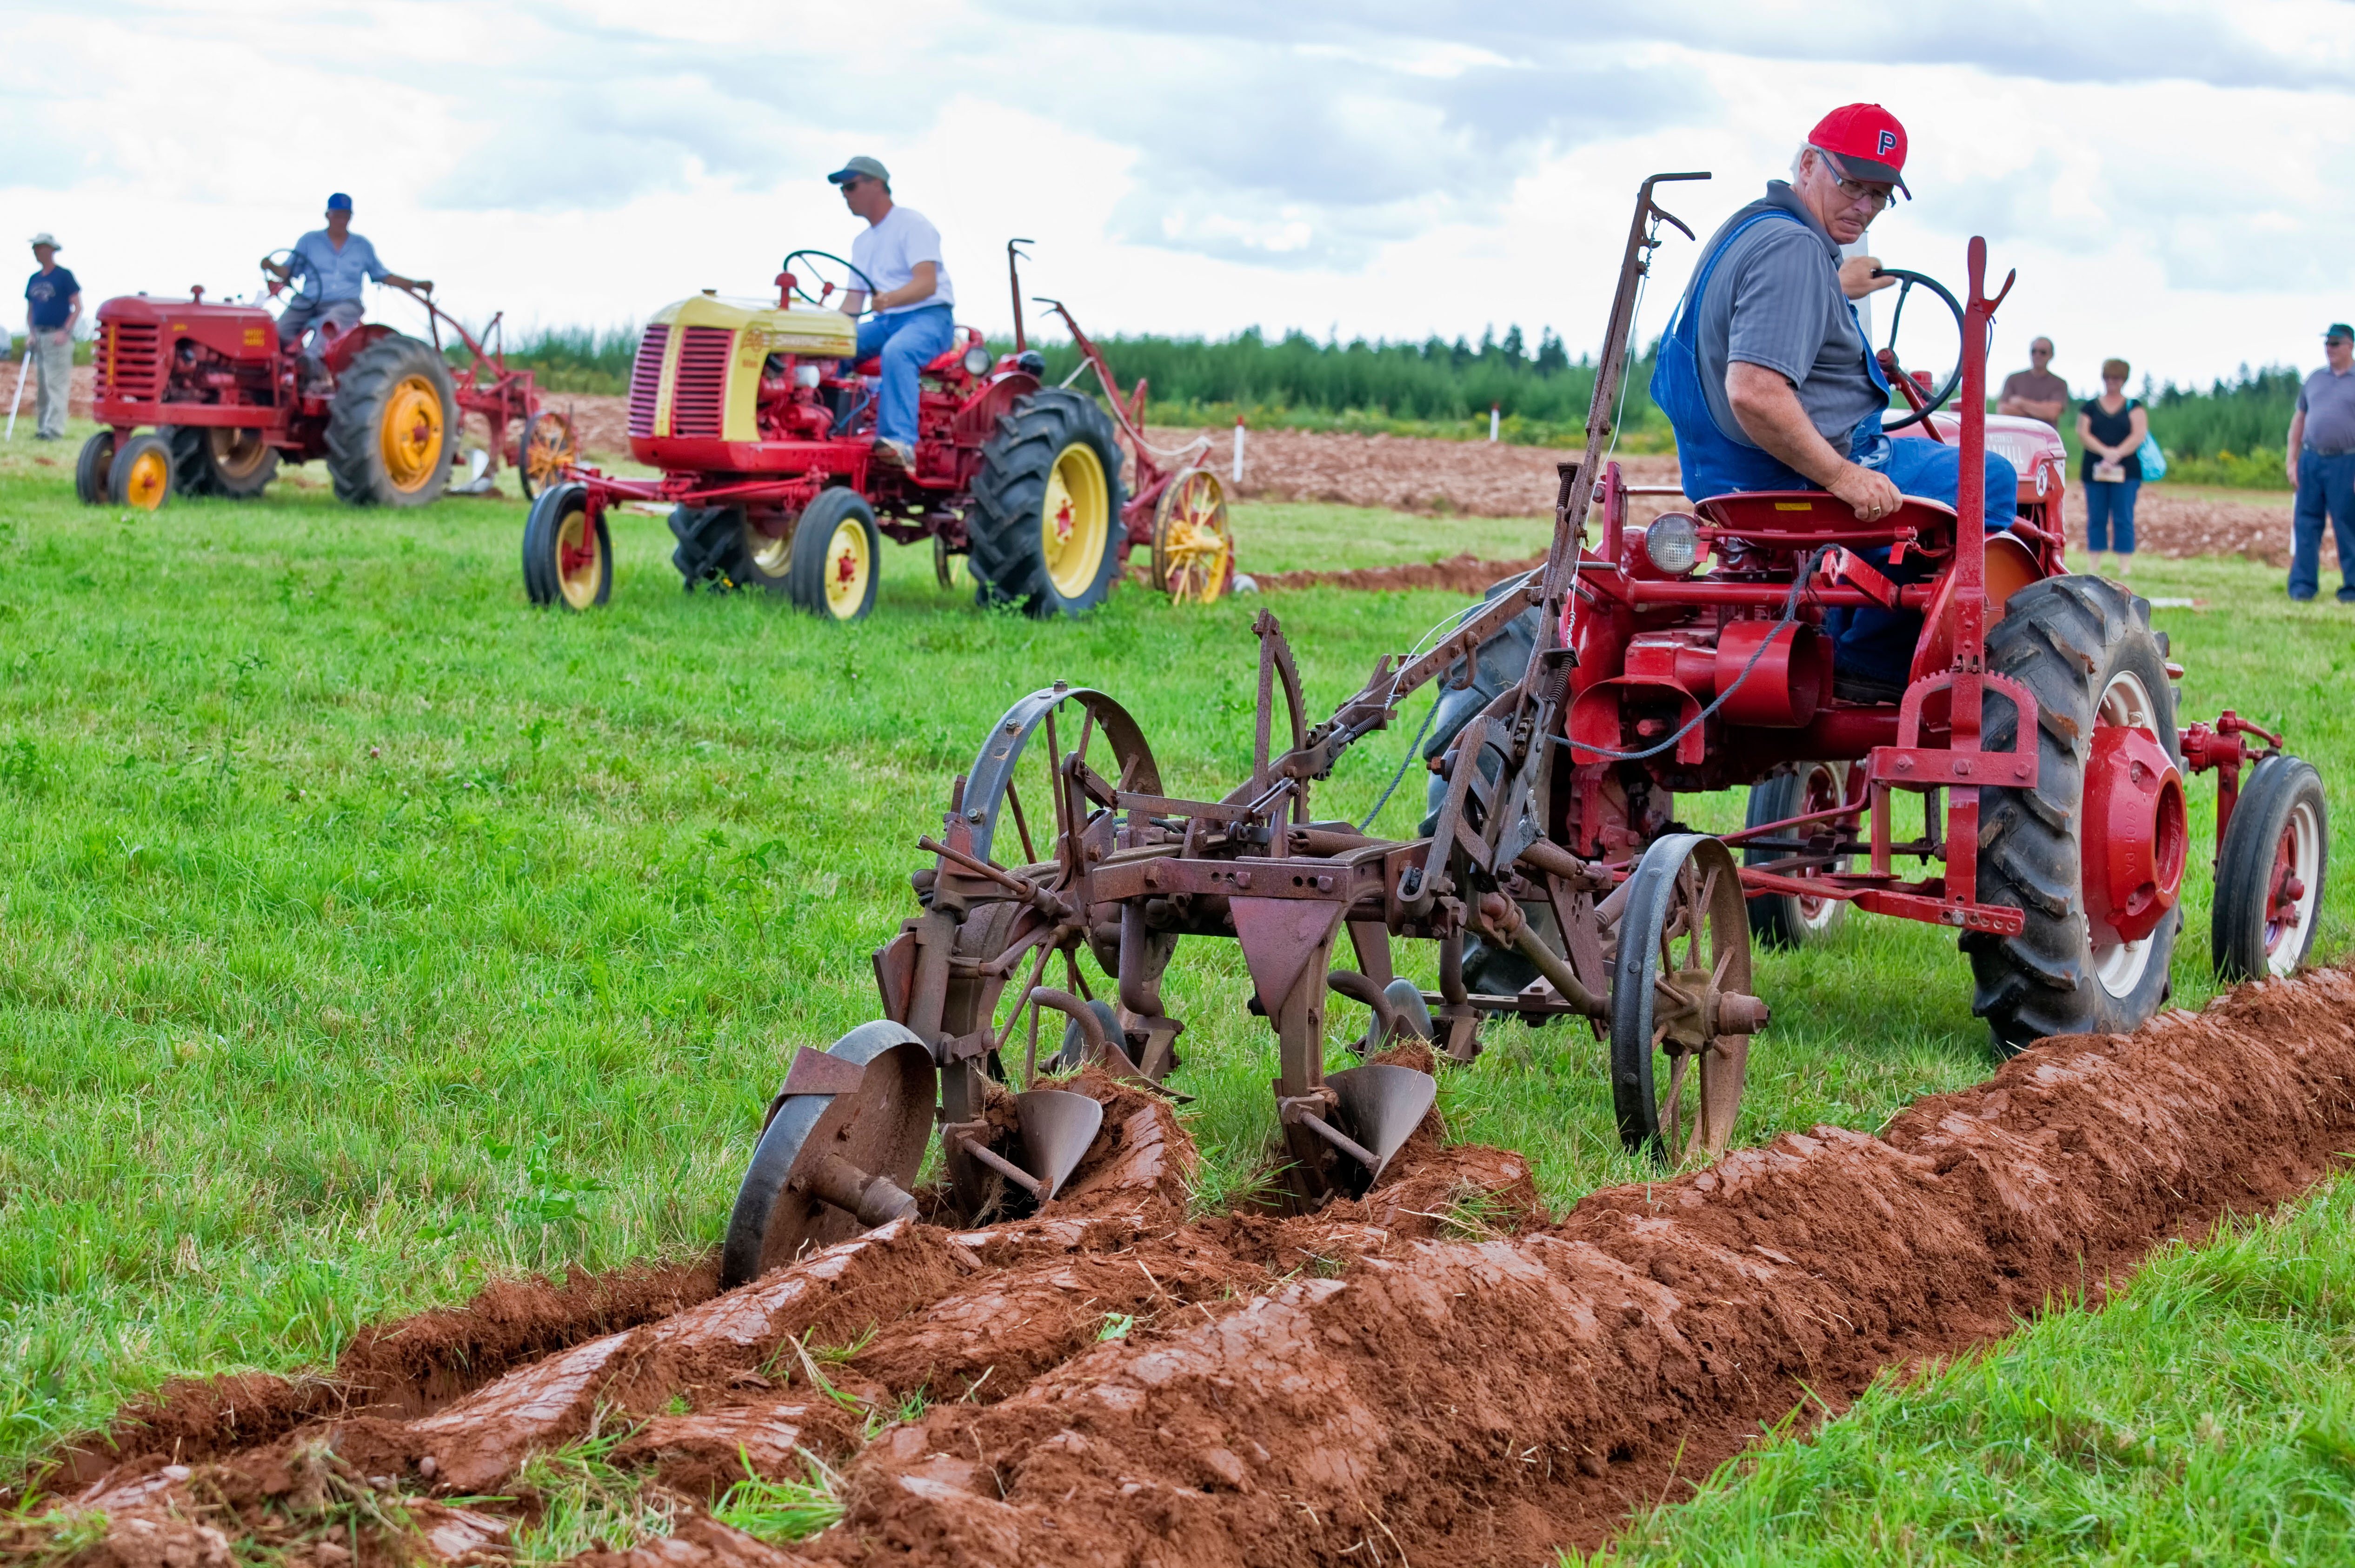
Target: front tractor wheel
{"x":1789,"y":920}
{"x":2269,"y":873}
{"x":393,"y":427}
{"x":568,"y":559}
{"x":93,"y":468}
{"x":1045,"y":524}
{"x":2092,"y":856}
{"x":219,"y":461}
{"x":836,"y":557}
{"x":140,"y":477}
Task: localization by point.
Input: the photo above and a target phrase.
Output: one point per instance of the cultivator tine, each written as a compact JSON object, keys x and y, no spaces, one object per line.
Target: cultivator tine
{"x":1381,"y":1106}
{"x":1057,"y":1126}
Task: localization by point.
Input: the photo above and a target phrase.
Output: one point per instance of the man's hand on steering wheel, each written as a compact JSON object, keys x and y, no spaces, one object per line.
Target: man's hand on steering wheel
{"x":1872,"y":494}
{"x":1861,"y":275}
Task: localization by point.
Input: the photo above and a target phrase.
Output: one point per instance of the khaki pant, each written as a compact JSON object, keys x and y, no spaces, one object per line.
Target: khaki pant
{"x":53,"y":363}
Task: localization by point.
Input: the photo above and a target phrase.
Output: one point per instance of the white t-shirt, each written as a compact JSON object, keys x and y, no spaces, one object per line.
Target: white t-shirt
{"x":888,"y":253}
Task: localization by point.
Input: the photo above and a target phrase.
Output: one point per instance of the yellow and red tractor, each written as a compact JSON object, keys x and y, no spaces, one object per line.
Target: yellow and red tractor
{"x":763,"y":428}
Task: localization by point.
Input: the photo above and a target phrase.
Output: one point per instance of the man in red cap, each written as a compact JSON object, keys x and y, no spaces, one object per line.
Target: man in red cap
{"x":1765,"y":373}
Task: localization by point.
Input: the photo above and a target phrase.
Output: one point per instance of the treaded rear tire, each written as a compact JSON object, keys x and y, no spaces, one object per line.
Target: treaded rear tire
{"x":2244,"y":867}
{"x":710,"y":550}
{"x":2065,"y":639}
{"x":1003,"y":524}
{"x":355,"y":446}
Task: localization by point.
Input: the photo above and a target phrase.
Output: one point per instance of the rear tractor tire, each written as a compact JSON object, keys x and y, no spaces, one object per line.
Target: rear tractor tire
{"x":93,"y":468}
{"x":393,"y":427}
{"x":2083,"y":963}
{"x":1045,"y":523}
{"x":219,"y":461}
{"x":712,"y":550}
{"x":140,"y":477}
{"x":568,"y":561}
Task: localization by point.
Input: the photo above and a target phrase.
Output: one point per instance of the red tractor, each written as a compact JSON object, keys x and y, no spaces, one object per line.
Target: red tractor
{"x":764,"y":433}
{"x":2038,"y":731}
{"x":228,"y":403}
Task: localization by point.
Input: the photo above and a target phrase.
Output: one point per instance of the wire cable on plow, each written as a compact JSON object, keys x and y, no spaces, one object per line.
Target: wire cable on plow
{"x":1437,"y":629}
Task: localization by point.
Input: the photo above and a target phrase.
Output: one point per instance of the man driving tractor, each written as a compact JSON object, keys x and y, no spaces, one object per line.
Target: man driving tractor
{"x":1767,"y":377}
{"x":338,"y":259}
{"x":913,"y":304}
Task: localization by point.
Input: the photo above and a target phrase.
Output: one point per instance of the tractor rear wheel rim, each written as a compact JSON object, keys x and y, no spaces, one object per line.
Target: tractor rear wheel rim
{"x":1075,"y":519}
{"x":2293,"y":889}
{"x":149,"y":479}
{"x":410,"y":433}
{"x":2118,"y":965}
{"x":848,"y":568}
{"x":577,"y":566}
{"x":772,"y":553}
{"x":238,"y":452}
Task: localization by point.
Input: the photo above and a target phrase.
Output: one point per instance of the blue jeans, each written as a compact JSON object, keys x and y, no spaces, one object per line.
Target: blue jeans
{"x":2106,"y":505}
{"x":1879,"y":643}
{"x":907,"y":341}
{"x":2324,"y":485}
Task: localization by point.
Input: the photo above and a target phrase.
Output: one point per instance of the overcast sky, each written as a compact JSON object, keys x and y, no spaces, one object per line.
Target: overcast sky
{"x":2172,"y":181}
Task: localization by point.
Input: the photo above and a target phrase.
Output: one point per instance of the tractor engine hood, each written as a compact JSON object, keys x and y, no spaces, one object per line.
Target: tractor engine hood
{"x":698,"y":373}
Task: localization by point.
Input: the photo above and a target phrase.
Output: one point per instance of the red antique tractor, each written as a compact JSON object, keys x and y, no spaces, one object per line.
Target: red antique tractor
{"x":764,"y":431}
{"x":227,"y":402}
{"x":2038,"y":729}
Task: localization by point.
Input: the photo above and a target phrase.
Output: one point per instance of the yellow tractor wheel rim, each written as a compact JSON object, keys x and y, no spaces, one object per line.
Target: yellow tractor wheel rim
{"x":770,"y":554}
{"x":410,"y":434}
{"x":847,"y":567}
{"x":1076,"y":521}
{"x":1196,"y":542}
{"x":238,"y":452}
{"x":149,"y":481}
{"x":579,"y":564}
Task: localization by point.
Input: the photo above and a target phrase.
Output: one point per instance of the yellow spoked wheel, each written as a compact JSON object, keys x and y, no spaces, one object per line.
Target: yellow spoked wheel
{"x":141,"y":474}
{"x":581,"y":570}
{"x":1193,"y":547}
{"x":1075,"y":523}
{"x":410,"y":433}
{"x":548,"y":447}
{"x":848,"y":568}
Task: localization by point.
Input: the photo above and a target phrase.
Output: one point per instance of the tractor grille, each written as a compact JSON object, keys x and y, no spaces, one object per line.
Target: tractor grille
{"x":130,"y":360}
{"x":645,"y":378}
{"x":698,"y":395}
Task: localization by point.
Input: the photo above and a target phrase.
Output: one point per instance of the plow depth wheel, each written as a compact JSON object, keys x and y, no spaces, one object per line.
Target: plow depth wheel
{"x":567,"y":559}
{"x":140,"y":477}
{"x":1193,"y":548}
{"x":1680,"y":996}
{"x":2269,"y":871}
{"x":392,"y":428}
{"x":1044,"y":525}
{"x":836,"y":558}
{"x":543,"y":451}
{"x":1781,"y":920}
{"x":2092,"y":857}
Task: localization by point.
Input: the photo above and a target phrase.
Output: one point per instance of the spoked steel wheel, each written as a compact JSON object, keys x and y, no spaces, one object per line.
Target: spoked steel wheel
{"x":1193,"y":547}
{"x":1681,"y":1009}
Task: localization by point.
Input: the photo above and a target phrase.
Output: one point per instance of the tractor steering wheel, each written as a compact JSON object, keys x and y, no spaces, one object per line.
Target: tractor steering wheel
{"x":306,"y":288}
{"x":1906,"y":281}
{"x":807,"y":275}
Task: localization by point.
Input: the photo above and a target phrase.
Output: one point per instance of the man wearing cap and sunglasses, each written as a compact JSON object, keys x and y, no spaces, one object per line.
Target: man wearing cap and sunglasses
{"x":337,"y":259}
{"x":1766,"y":376}
{"x":2322,"y":466}
{"x":52,"y":306}
{"x":900,"y":253}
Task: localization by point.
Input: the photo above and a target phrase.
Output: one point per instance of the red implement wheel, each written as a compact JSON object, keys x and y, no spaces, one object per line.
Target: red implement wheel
{"x":2094,"y":855}
{"x":2269,"y":871}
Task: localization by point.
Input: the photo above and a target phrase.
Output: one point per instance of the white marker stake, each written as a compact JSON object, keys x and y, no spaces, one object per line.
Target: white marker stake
{"x":1238,"y":450}
{"x":18,"y":401}
{"x":1492,"y":421}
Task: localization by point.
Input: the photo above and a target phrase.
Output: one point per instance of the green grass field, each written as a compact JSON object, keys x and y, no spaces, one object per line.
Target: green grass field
{"x":365,"y":934}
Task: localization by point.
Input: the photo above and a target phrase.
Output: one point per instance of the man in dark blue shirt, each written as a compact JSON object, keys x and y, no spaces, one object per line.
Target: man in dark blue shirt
{"x":52,"y":306}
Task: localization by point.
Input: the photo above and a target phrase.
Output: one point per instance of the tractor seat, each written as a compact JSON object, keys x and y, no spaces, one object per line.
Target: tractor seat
{"x":870,"y":365}
{"x":1767,"y":513}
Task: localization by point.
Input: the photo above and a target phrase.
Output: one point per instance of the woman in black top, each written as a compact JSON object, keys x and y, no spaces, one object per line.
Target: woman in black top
{"x":2110,"y":429}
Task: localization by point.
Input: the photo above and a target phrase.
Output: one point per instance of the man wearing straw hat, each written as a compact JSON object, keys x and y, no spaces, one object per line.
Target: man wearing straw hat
{"x":52,"y":306}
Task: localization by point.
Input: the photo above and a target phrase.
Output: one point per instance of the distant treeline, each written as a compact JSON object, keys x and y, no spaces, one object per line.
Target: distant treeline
{"x":2228,"y":433}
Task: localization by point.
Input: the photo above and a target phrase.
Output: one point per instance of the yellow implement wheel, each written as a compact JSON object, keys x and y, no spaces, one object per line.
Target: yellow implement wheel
{"x":141,"y":474}
{"x":547,"y":445}
{"x":410,"y":433}
{"x":1193,"y":547}
{"x":1075,"y":523}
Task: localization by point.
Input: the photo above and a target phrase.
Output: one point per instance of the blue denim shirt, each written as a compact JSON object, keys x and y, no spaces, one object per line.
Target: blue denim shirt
{"x":339,"y":272}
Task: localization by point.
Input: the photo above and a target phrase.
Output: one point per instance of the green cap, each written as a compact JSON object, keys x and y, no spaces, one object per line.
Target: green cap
{"x":2339,"y":329}
{"x":861,"y":165}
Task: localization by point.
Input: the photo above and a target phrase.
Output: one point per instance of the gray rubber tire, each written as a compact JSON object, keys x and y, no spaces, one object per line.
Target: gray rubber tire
{"x":542,"y":532}
{"x":2278,"y":789}
{"x":93,"y":468}
{"x":356,"y":416}
{"x":1779,"y":920}
{"x":1005,"y":523}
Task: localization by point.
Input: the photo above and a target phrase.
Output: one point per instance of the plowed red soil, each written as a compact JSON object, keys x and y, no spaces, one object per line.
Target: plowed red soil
{"x":1436,"y":1373}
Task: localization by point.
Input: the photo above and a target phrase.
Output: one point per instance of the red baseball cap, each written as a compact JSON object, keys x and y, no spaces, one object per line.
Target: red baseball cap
{"x":1867,"y":140}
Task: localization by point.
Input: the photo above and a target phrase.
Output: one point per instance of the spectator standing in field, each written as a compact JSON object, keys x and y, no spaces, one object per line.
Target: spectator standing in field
{"x":2322,"y":466}
{"x":52,"y":306}
{"x":2110,"y":429}
{"x":2036,"y":392}
{"x":900,"y":253}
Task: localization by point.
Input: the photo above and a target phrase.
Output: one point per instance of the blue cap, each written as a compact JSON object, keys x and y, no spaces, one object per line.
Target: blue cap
{"x":339,"y":202}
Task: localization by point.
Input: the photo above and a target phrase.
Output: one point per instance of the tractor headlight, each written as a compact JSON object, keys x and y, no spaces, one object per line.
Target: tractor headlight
{"x":1673,"y":543}
{"x":808,"y":376}
{"x":976,"y":361}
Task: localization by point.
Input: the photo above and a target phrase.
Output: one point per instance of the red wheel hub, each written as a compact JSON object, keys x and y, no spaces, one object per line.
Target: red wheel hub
{"x":2135,"y":834}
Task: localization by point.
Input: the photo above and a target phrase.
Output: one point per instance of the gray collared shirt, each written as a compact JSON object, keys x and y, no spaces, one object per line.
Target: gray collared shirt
{"x":339,"y":272}
{"x":1775,"y":300}
{"x":2327,"y":401}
